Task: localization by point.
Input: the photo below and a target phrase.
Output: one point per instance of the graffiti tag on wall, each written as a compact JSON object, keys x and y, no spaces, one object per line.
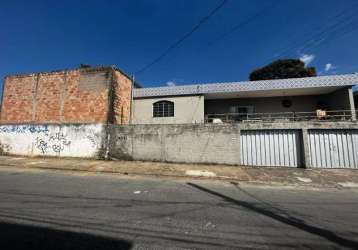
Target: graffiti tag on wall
{"x":21,"y":129}
{"x":41,"y":145}
{"x":51,"y":139}
{"x":4,"y":149}
{"x":54,"y":142}
{"x":59,"y":141}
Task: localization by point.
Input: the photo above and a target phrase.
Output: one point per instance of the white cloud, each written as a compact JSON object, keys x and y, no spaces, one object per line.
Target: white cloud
{"x":307,"y":59}
{"x":170,"y":83}
{"x":328,"y":67}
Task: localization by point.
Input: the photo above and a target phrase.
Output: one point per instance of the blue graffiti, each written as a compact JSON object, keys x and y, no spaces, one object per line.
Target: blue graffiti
{"x":38,"y":129}
{"x":21,"y":129}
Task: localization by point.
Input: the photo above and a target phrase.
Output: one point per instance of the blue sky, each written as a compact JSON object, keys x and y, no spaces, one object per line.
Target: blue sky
{"x":48,"y":35}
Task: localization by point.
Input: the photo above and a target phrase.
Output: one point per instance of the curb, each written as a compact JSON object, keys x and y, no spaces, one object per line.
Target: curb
{"x":161,"y":175}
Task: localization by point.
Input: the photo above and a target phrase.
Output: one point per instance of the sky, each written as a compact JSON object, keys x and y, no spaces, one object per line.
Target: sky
{"x":241,"y":36}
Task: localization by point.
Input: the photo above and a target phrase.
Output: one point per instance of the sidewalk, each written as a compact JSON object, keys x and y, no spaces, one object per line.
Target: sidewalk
{"x":259,"y":175}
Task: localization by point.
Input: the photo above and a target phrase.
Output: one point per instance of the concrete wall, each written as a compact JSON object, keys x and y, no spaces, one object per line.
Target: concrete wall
{"x":189,"y":143}
{"x":176,"y":143}
{"x":187,"y":109}
{"x":210,"y":143}
{"x":71,"y":140}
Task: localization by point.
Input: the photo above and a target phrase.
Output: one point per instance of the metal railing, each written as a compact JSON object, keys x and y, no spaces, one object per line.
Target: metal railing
{"x":331,"y":115}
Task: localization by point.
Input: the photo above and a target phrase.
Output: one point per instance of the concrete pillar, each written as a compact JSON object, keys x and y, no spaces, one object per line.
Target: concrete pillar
{"x":305,"y":149}
{"x":62,"y":95}
{"x":238,"y":133}
{"x":351,"y":103}
{"x":35,"y":85}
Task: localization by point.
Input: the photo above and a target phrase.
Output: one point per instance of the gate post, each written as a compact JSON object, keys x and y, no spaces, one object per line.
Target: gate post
{"x":305,"y":149}
{"x":238,"y":133}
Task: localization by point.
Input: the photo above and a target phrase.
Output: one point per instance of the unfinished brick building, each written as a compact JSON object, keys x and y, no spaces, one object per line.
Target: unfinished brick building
{"x":82,"y":95}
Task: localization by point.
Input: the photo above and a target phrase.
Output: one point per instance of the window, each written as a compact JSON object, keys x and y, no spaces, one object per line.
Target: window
{"x":242,"y":109}
{"x":163,"y":109}
{"x":239,"y":113}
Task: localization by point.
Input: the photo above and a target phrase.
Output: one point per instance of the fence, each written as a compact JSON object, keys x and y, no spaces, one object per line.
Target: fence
{"x":322,"y":116}
{"x":316,"y":145}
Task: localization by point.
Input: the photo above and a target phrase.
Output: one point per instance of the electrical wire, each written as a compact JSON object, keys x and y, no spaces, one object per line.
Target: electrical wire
{"x":183,"y":38}
{"x":336,"y":24}
{"x":245,"y":22}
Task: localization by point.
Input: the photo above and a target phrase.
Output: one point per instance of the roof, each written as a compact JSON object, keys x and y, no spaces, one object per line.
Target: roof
{"x":249,"y":86}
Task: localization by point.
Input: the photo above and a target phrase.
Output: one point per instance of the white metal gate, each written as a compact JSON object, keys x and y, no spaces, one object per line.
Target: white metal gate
{"x":333,"y":148}
{"x":271,"y":148}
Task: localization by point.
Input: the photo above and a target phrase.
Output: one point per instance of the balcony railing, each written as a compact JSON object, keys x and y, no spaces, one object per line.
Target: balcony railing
{"x":319,"y":115}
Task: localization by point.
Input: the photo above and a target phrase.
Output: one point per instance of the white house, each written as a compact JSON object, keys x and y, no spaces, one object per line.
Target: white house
{"x":311,"y":98}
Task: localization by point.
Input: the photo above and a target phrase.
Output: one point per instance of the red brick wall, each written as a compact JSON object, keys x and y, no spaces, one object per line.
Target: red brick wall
{"x":122,"y":87}
{"x":66,"y":96}
{"x":47,"y":105}
{"x":79,"y":95}
{"x":84,"y":104}
{"x":17,"y":99}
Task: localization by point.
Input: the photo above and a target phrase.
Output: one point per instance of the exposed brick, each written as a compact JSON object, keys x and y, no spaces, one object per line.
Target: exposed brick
{"x":122,"y":98}
{"x":79,"y":95}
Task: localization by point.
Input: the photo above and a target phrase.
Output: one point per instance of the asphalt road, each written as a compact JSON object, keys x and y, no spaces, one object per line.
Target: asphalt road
{"x":56,"y":210}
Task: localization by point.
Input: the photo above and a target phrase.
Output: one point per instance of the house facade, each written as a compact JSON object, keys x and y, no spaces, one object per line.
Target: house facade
{"x":105,"y":95}
{"x":314,"y":98}
{"x":272,"y":123}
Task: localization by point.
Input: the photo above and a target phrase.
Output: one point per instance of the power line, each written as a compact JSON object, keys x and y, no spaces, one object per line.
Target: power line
{"x":245,"y":22}
{"x":186,"y":36}
{"x":320,"y":37}
{"x":322,"y":34}
{"x":337,"y":33}
{"x":321,"y":30}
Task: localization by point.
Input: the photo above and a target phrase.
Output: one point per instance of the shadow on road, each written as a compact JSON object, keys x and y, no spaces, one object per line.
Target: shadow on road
{"x":289,"y":220}
{"x":16,"y":236}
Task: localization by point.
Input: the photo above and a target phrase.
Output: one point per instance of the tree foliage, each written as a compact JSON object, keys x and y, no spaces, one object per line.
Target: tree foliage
{"x":282,"y":69}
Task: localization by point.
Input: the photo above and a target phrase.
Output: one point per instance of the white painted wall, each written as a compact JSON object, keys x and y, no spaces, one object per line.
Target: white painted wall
{"x":70,"y":140}
{"x":187,"y":109}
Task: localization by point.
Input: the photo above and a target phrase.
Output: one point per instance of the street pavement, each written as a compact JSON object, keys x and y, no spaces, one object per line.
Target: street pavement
{"x":62,"y":210}
{"x":258,"y":175}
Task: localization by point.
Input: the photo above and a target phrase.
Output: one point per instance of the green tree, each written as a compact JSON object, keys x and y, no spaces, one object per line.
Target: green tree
{"x":282,"y":69}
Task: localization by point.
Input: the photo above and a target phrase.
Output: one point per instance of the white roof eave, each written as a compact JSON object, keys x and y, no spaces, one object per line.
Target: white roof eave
{"x":229,"y":87}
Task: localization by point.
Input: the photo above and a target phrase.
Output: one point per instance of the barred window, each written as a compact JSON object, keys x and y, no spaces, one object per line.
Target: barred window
{"x":163,"y":109}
